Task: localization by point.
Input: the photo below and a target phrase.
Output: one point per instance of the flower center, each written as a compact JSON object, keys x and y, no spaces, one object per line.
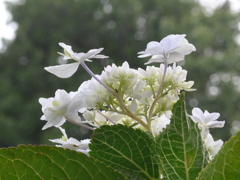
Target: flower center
{"x":55,"y":103}
{"x":64,"y":138}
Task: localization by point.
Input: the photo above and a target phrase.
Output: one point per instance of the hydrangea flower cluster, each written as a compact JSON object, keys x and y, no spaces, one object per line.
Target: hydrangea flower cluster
{"x":140,"y":98}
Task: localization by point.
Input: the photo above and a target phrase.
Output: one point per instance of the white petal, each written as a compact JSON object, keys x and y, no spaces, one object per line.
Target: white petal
{"x":196,"y":119}
{"x":213,"y":146}
{"x":154,"y":48}
{"x":198,"y":113}
{"x":175,"y":57}
{"x":64,"y":56}
{"x":143,"y":55}
{"x":63,"y":132}
{"x":43,"y":117}
{"x":216,"y":124}
{"x":46,"y":102}
{"x":59,"y":141}
{"x":134,"y":106}
{"x":155,"y":58}
{"x":73,"y":141}
{"x":76,"y":103}
{"x":211,"y":117}
{"x":78,"y":56}
{"x":152,"y":44}
{"x":100,"y":56}
{"x":92,"y":53}
{"x":217,"y":145}
{"x":204,"y":133}
{"x":186,"y":48}
{"x":73,"y":116}
{"x":66,"y":48}
{"x":63,"y":71}
{"x":62,"y":97}
{"x":171,"y":42}
{"x":57,"y":122}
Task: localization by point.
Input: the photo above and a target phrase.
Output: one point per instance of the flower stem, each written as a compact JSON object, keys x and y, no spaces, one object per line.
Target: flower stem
{"x":159,"y":89}
{"x":79,"y":124}
{"x":106,"y":117}
{"x":98,"y":80}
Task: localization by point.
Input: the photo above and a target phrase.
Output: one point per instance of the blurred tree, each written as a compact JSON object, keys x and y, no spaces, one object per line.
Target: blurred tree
{"x":123,"y":28}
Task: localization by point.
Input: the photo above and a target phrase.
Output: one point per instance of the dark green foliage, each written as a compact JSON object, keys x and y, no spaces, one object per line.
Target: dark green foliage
{"x":226,"y":163}
{"x":126,"y":150}
{"x":45,"y":162}
{"x":123,"y":28}
{"x":180,"y":147}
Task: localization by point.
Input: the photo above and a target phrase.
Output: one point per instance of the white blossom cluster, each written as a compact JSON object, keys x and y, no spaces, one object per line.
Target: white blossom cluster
{"x":206,"y":120}
{"x":140,"y":98}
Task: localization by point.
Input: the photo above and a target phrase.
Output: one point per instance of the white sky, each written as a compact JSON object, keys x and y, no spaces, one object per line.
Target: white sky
{"x":212,"y":4}
{"x":8,"y":31}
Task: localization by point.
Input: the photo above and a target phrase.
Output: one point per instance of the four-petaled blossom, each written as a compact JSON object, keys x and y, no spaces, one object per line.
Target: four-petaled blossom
{"x":206,"y":120}
{"x":67,"y":70}
{"x":72,"y":143}
{"x":213,"y":146}
{"x":172,"y":48}
{"x":63,"y":106}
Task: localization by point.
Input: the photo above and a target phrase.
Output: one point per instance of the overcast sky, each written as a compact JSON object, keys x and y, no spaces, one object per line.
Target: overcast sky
{"x":7,"y":31}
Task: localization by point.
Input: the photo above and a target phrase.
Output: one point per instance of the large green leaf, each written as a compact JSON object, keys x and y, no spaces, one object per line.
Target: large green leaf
{"x":126,"y":149}
{"x":226,"y":164}
{"x":45,"y":162}
{"x":180,"y":148}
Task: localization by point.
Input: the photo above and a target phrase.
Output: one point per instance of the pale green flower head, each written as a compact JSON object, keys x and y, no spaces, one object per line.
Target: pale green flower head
{"x":120,"y":78}
{"x":94,"y":118}
{"x":94,"y":94}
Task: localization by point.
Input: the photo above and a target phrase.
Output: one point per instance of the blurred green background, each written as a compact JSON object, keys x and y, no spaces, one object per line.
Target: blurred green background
{"x":123,"y":28}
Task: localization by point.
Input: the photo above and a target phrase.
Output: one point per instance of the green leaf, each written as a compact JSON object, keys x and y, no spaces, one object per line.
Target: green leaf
{"x":180,"y":147}
{"x":126,"y":149}
{"x":226,"y":164}
{"x":45,"y":162}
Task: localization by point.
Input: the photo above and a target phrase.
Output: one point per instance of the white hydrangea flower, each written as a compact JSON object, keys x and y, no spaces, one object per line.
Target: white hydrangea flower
{"x":166,"y":102}
{"x":179,"y":77}
{"x":175,"y":79}
{"x":173,"y":47}
{"x":61,"y":106}
{"x":67,"y":70}
{"x":213,"y":146}
{"x":152,"y":75}
{"x":97,"y":119}
{"x":93,"y":93}
{"x":206,"y":120}
{"x":140,"y":93}
{"x":158,"y":123}
{"x":72,"y":143}
{"x":119,"y":78}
